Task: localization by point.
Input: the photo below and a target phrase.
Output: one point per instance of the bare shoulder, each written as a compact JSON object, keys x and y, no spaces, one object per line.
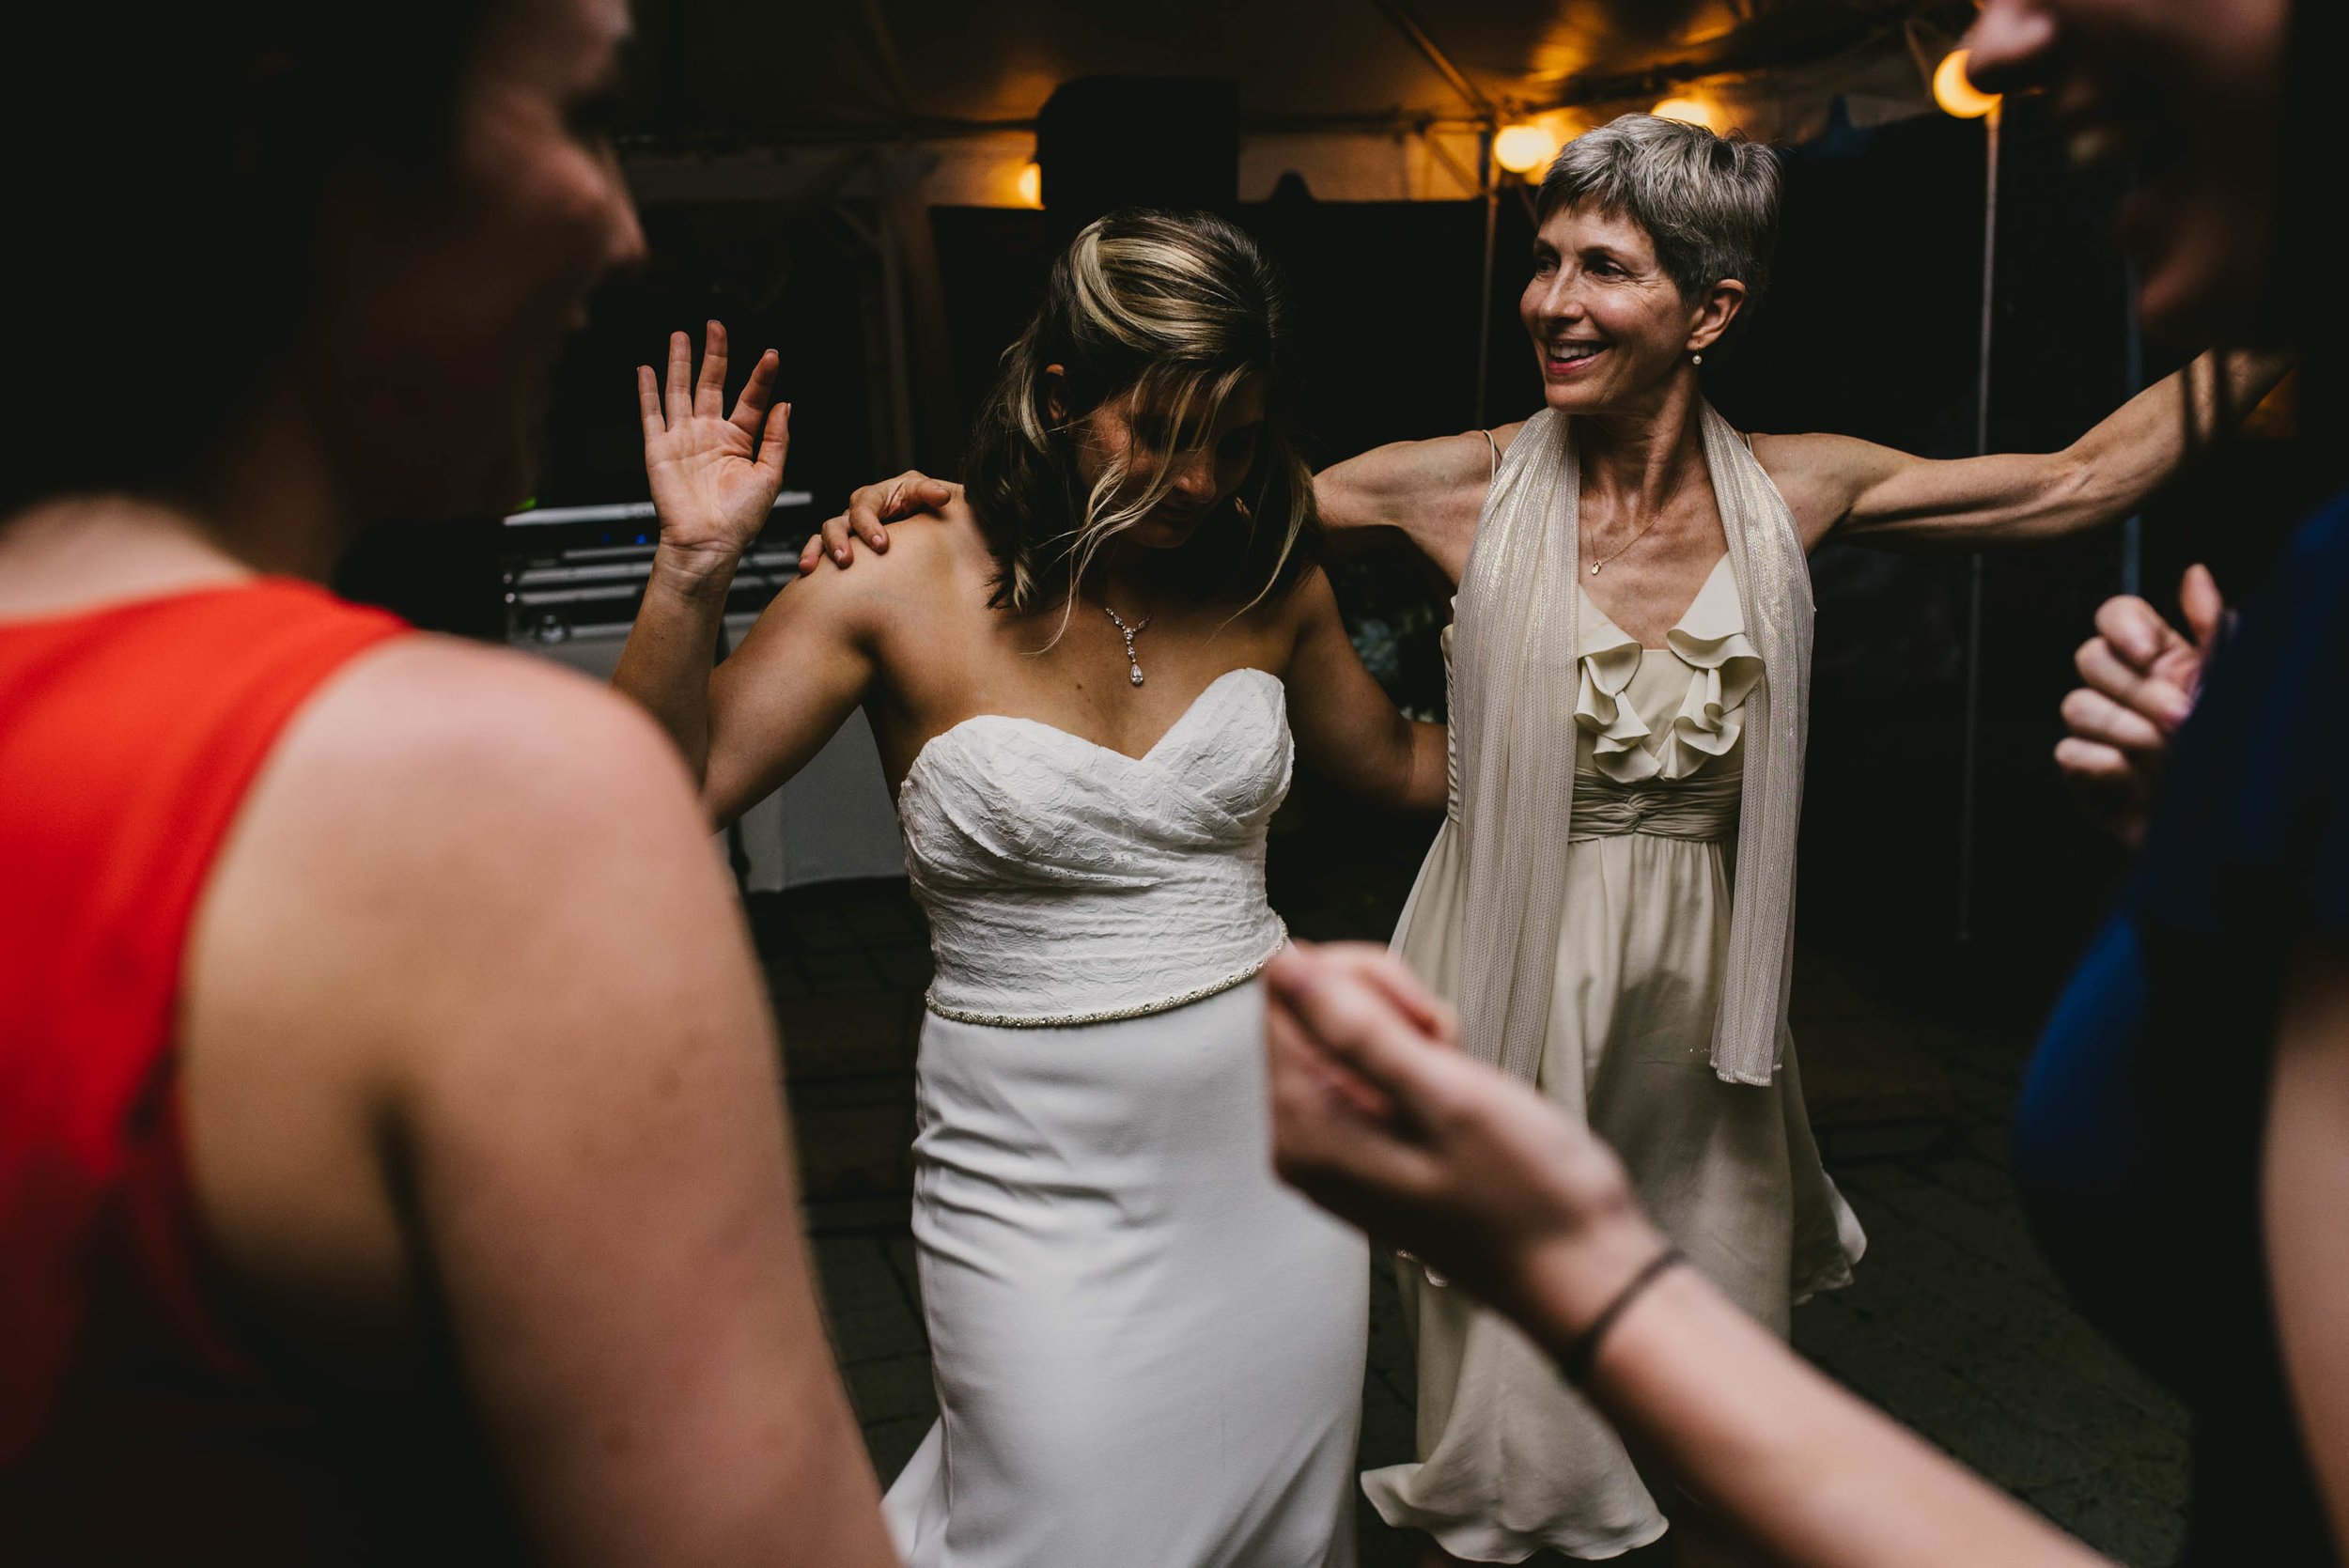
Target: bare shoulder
{"x":1303,"y":616}
{"x":1809,"y":454}
{"x":458,"y":780}
{"x":1306,"y":601}
{"x":943,"y":553}
{"x":453,"y":850}
{"x":1821,"y":475}
{"x":424,"y":704}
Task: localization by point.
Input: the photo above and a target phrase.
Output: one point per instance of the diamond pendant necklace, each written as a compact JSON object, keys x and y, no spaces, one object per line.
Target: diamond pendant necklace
{"x":1131,"y":633}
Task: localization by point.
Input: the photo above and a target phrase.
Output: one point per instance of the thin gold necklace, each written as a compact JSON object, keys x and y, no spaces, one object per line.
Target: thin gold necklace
{"x":1627,"y":543}
{"x":1662,"y":507}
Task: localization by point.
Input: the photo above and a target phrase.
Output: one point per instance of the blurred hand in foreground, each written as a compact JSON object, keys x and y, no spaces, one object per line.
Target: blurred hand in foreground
{"x":2142,"y":678}
{"x":1377,"y":1117}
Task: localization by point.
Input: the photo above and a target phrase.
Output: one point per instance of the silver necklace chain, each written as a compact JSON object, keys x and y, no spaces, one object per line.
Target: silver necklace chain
{"x":1131,"y":633}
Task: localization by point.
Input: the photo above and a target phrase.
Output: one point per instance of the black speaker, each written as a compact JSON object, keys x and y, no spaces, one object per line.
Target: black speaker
{"x":1106,"y":142}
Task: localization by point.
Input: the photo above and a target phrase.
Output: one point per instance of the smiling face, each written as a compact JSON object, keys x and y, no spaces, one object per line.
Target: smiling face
{"x":447,"y":306}
{"x":2190,"y":94}
{"x":1200,"y":469}
{"x":1609,"y":327}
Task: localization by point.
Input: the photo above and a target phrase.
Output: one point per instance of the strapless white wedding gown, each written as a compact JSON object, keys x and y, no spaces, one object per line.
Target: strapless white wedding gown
{"x":1149,"y":1351}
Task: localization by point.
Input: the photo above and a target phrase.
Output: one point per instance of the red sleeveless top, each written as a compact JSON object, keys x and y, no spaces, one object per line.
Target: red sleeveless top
{"x":130,"y":736}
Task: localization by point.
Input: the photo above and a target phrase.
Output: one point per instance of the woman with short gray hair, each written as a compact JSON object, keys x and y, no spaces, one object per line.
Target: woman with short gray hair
{"x":1631,"y":674}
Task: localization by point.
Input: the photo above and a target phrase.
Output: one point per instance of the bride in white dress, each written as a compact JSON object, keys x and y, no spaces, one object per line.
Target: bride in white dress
{"x":1083,"y":684}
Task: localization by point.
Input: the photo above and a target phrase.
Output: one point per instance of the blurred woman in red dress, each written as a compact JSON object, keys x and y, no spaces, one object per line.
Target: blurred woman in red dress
{"x":392,"y":1165}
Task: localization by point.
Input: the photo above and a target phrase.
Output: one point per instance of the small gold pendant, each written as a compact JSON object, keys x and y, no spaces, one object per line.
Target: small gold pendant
{"x":1595,"y":570}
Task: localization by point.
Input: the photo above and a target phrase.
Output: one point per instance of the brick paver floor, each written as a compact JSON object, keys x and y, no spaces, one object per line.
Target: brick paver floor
{"x":1955,"y":1326}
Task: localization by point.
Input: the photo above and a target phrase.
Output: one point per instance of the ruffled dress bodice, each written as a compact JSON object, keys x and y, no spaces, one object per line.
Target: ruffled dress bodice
{"x":1649,"y":718}
{"x":1658,"y":748}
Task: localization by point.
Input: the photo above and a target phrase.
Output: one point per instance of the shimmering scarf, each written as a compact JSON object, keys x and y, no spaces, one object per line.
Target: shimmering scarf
{"x":1515,"y":644}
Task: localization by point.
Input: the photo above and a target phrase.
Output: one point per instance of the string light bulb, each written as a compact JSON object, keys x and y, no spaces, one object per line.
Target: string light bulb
{"x":1955,"y":91}
{"x":1522,"y":149}
{"x":1029,"y":184}
{"x":1690,"y":110}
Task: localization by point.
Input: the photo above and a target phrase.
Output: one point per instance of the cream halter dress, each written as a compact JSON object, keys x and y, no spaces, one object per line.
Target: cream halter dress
{"x":1512,"y":1461}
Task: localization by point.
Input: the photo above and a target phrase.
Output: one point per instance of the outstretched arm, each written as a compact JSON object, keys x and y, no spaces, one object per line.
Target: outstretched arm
{"x":1347,"y":727}
{"x":1855,"y":489}
{"x":714,"y":477}
{"x":1378,"y":1118}
{"x":1429,"y":492}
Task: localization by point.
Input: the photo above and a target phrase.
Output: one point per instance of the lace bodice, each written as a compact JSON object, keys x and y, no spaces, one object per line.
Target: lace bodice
{"x":1658,"y":728}
{"x":1065,"y":882}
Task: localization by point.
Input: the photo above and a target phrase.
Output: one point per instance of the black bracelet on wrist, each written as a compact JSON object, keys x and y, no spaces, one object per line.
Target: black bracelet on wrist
{"x":1575,"y":1362}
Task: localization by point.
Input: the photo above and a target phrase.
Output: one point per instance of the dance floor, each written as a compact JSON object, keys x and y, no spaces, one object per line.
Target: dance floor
{"x":1955,"y":1326}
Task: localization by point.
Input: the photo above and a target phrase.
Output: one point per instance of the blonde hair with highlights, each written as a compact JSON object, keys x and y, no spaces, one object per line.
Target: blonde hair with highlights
{"x":1172,"y":313}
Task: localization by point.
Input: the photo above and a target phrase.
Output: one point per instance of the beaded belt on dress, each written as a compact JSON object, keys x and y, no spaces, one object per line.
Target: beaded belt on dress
{"x":1112,"y":1015}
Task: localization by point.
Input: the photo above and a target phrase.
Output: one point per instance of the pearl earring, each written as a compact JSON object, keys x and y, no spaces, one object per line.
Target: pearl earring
{"x":1696,"y":359}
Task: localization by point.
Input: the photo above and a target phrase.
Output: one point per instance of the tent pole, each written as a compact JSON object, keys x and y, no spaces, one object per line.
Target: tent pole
{"x":2133,"y":531}
{"x":1971,"y":770}
{"x":1400,"y":13}
{"x":1487,"y":171}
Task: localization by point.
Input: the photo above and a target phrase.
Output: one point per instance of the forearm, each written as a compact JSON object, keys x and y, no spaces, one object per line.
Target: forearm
{"x":1786,"y":1459}
{"x":2143,"y":445}
{"x":1900,"y":501}
{"x":671,"y":649}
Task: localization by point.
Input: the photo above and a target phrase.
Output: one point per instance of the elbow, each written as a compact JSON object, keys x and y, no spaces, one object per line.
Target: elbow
{"x":718,"y":805}
{"x":1338,"y":507}
{"x":722,"y":808}
{"x":1431,"y":787}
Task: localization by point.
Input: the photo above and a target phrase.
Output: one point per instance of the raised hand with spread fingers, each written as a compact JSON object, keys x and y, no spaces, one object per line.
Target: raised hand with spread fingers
{"x":714,"y":474}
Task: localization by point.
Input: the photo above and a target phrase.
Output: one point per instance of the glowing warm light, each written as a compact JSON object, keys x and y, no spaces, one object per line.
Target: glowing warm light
{"x":1523,"y":148}
{"x":1695,"y":111}
{"x":1031,"y":185}
{"x":1955,"y":91}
